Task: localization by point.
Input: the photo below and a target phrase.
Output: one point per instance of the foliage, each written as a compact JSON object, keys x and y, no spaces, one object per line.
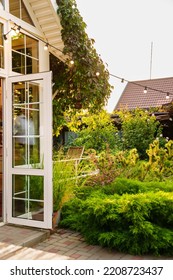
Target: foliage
{"x":115,"y":212}
{"x":139,"y":129}
{"x":105,"y":165}
{"x":122,"y":186}
{"x":122,"y":221}
{"x":67,"y":175}
{"x":63,"y":182}
{"x":36,"y":190}
{"x":36,"y":187}
{"x":85,"y":84}
{"x":160,"y":164}
{"x":158,"y":167}
{"x":94,"y":131}
{"x":111,"y":166}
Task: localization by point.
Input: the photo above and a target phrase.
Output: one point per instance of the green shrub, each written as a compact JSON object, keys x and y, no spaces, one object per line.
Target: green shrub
{"x":110,"y":166}
{"x":133,"y":223}
{"x":139,"y":129}
{"x":159,"y":166}
{"x":63,"y":183}
{"x":123,"y":185}
{"x":94,"y":131}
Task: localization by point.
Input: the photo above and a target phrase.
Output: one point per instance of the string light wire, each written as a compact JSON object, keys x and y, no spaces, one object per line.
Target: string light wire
{"x":146,"y":88}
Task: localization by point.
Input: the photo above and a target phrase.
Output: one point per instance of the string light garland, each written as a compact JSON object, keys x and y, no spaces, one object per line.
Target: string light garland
{"x":18,"y":28}
{"x":145,"y":88}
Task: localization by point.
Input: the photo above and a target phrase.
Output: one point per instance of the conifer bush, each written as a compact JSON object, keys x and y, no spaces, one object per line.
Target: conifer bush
{"x":138,"y":222}
{"x":130,"y":186}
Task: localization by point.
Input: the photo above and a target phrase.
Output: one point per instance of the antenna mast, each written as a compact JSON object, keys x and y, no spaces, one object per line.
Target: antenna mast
{"x":151,"y":59}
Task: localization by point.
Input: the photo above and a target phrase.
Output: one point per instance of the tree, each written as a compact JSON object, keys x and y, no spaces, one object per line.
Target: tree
{"x":94,"y":131}
{"x":139,"y":129}
{"x":85,"y":84}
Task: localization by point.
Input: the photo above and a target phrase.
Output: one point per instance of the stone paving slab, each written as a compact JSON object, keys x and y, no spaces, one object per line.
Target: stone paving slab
{"x":72,"y":244}
{"x":62,"y":244}
{"x":7,"y":249}
{"x":33,"y":254}
{"x":14,"y":238}
{"x":20,"y":235}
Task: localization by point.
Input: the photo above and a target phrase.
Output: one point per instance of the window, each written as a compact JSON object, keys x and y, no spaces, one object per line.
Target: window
{"x":17,"y":8}
{"x":24,"y":54}
{"x":1,"y":47}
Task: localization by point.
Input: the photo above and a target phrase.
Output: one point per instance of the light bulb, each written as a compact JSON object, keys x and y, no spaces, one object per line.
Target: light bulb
{"x":145,"y":90}
{"x":167,"y":95}
{"x":71,"y":62}
{"x":5,"y":38}
{"x":46,"y":47}
{"x":18,"y":30}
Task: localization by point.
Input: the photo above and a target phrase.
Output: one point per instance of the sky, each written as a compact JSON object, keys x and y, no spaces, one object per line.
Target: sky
{"x":126,"y":32}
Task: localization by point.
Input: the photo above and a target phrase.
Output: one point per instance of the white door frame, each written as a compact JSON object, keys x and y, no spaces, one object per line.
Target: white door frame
{"x":46,"y":171}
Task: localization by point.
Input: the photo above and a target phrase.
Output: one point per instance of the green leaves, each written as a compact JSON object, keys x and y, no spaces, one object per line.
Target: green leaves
{"x":137,"y":223}
{"x":94,"y":131}
{"x":139,"y":129}
{"x":79,"y":83}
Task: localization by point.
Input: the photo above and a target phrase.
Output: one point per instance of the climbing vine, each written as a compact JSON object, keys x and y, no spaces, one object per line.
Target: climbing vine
{"x":85,"y":84}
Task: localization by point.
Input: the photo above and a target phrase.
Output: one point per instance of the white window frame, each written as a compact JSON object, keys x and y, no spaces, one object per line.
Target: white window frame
{"x":47,"y":170}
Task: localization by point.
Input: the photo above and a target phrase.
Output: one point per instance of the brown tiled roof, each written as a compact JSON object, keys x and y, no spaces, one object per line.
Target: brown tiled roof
{"x":133,"y":95}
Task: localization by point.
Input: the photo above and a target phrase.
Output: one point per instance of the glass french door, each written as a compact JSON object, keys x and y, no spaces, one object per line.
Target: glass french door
{"x":29,"y":150}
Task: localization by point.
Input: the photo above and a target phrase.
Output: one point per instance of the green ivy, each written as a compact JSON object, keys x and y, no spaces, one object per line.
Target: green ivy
{"x":78,"y":85}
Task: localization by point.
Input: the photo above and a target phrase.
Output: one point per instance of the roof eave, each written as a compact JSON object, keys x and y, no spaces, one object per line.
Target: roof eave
{"x":49,"y":23}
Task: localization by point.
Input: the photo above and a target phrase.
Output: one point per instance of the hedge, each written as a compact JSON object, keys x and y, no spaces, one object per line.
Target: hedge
{"x":130,"y":216}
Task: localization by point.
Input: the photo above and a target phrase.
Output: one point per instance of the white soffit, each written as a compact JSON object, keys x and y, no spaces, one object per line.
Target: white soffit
{"x":49,"y":23}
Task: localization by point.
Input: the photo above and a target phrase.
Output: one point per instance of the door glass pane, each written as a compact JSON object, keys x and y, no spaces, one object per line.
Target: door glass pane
{"x":27,"y":144}
{"x":27,"y":197}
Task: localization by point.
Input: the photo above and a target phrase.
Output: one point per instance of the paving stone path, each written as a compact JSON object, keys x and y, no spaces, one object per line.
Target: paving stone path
{"x":71,"y":244}
{"x":23,"y":243}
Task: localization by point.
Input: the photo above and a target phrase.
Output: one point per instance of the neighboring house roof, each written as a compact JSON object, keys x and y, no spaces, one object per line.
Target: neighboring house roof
{"x":133,"y":95}
{"x":49,"y":23}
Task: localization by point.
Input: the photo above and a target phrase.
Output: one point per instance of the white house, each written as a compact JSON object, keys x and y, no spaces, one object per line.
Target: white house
{"x":26,"y":26}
